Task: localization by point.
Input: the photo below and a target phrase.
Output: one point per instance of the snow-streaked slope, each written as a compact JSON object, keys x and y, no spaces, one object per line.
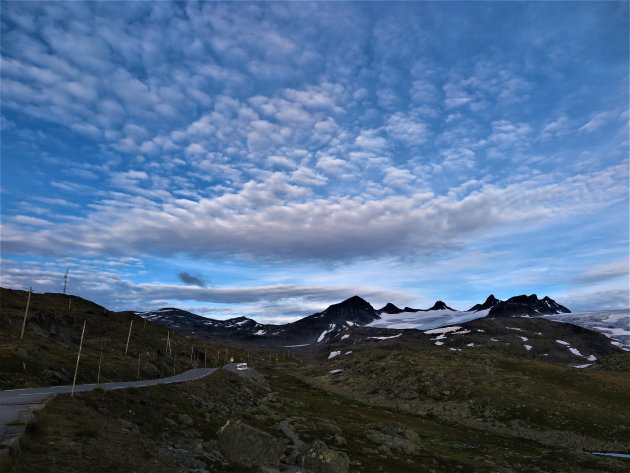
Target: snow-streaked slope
{"x":426,"y":320}
{"x":614,"y":324}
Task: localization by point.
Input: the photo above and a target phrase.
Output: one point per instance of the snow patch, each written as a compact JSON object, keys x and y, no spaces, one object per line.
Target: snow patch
{"x":562,"y":342}
{"x":386,"y":338}
{"x":575,"y":351}
{"x":442,"y":330}
{"x":527,"y":347}
{"x":260,"y":332}
{"x":345,"y":336}
{"x":334,"y":354}
{"x":439,"y":343}
{"x":525,"y":339}
{"x":583,"y":366}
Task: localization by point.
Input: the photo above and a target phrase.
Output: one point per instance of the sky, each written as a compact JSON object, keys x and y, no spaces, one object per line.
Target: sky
{"x":270,"y":159}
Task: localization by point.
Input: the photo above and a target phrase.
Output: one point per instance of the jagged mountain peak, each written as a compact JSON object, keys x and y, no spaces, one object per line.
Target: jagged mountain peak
{"x":527,"y":305}
{"x":440,"y":305}
{"x":390,"y":308}
{"x":490,"y":302}
{"x":354,"y":301}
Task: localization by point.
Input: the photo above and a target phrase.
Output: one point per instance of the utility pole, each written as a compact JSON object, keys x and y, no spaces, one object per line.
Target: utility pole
{"x":28,"y":301}
{"x":65,"y":281}
{"x":100,"y":359}
{"x":76,"y":368}
{"x":129,"y":336}
{"x":168,"y":342}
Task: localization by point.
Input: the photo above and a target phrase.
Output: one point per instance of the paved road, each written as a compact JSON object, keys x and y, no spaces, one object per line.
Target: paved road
{"x":19,"y":404}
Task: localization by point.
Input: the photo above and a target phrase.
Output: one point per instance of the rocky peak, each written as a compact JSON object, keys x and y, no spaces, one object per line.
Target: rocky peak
{"x":490,"y":302}
{"x":440,"y":305}
{"x":527,"y":305}
{"x":390,"y":309}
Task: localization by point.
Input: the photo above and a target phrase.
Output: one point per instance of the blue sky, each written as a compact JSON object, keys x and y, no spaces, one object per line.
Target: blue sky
{"x":269,"y":159}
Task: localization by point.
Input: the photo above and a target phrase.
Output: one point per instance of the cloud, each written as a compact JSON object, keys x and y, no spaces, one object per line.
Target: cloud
{"x":597,"y":121}
{"x":188,"y":278}
{"x":270,"y":220}
{"x":604,"y":272}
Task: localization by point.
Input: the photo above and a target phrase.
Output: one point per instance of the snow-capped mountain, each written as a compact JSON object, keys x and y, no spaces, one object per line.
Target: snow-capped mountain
{"x":340,"y":319}
{"x":193,"y":324}
{"x":526,"y":305}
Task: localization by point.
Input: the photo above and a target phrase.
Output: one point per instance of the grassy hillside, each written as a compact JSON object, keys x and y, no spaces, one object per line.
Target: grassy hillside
{"x":47,"y":353}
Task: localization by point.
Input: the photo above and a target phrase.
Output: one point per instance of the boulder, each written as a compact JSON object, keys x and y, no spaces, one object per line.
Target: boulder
{"x":186,"y":420}
{"x":316,"y":457}
{"x":249,"y":446}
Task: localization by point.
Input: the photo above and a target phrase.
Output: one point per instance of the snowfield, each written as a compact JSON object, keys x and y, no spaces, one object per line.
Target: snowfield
{"x":425,"y":320}
{"x":615,"y":324}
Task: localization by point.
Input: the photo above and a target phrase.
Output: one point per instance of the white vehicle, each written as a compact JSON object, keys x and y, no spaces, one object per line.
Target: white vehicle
{"x":241,"y":366}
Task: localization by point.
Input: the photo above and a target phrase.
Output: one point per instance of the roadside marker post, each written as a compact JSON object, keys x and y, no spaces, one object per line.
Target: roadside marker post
{"x":129,"y":336}
{"x":76,"y":368}
{"x":138,"y":373}
{"x":100,"y":359}
{"x":28,"y":302}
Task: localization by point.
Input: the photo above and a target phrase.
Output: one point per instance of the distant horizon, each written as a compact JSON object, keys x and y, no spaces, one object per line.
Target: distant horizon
{"x":268,"y":158}
{"x":261,"y":319}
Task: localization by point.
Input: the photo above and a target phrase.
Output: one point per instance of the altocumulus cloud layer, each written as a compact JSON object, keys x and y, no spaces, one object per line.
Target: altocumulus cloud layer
{"x":291,"y":152}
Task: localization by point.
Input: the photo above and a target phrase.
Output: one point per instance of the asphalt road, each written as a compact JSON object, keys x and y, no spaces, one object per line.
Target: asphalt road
{"x":18,"y":404}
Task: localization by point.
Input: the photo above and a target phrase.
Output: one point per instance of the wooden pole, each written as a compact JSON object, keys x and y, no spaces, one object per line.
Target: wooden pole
{"x":76,"y":368}
{"x":168,"y":342}
{"x":138,"y":373}
{"x":28,"y":302}
{"x":69,"y":303}
{"x":129,"y":336}
{"x":100,"y":359}
{"x":174,"y":358}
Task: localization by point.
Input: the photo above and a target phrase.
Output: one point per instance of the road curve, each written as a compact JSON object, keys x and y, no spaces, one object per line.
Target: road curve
{"x":19,"y":404}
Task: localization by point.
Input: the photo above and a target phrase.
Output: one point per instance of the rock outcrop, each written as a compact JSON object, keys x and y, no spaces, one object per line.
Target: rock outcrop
{"x":249,"y":446}
{"x":316,"y":457}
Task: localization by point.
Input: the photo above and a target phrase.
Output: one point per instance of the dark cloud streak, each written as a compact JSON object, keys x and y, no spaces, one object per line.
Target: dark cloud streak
{"x":189,"y":279}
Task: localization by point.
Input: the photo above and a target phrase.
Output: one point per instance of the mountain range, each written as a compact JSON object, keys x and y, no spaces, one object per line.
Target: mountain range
{"x":355,"y":311}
